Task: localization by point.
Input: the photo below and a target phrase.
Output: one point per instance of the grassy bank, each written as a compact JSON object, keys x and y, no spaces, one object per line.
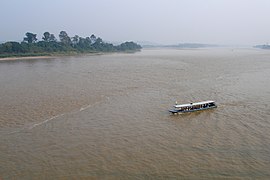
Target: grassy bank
{"x":22,"y":56}
{"x":69,"y":53}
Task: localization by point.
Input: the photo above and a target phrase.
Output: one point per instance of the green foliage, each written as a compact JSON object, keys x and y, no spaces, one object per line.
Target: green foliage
{"x":264,"y":46}
{"x":30,"y":37}
{"x":46,"y":36}
{"x":50,"y":45}
{"x":64,"y":38}
{"x":93,"y":38}
{"x":12,"y":47}
{"x":75,"y":40}
{"x":52,"y":38}
{"x":128,"y":46}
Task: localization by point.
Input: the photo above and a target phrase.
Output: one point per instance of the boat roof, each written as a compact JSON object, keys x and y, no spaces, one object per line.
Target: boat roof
{"x":193,"y":104}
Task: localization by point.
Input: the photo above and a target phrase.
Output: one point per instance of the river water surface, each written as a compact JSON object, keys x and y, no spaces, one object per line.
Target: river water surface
{"x":105,"y":116}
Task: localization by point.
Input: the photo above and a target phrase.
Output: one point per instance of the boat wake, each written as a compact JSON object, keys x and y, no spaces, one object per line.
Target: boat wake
{"x":57,"y":116}
{"x":91,"y":105}
{"x":45,"y":121}
{"x":60,"y":115}
{"x":54,"y":117}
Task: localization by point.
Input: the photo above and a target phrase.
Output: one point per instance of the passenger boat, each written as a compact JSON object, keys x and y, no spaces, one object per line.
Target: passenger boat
{"x":191,"y":107}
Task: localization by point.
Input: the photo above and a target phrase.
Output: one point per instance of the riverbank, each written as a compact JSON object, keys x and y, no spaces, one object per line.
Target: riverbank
{"x":12,"y":58}
{"x":26,"y":57}
{"x":48,"y":56}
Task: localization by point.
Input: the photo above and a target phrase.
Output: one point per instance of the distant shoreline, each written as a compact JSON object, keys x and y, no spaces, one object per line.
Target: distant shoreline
{"x":26,"y":57}
{"x":13,"y":58}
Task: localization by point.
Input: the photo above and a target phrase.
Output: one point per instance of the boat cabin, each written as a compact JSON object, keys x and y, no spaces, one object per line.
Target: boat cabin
{"x":181,"y":108}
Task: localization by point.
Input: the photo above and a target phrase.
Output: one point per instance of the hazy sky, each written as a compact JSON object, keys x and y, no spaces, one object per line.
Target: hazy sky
{"x":243,"y":22}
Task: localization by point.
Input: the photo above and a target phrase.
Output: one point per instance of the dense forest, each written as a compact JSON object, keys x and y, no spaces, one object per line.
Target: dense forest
{"x":49,"y":45}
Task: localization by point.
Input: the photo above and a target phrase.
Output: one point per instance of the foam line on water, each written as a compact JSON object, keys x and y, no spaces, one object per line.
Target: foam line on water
{"x":91,"y":105}
{"x":35,"y":125}
{"x":45,"y":121}
{"x":54,"y":117}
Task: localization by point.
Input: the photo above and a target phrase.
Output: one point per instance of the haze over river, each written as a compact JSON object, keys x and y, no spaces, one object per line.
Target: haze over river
{"x":106,"y":116}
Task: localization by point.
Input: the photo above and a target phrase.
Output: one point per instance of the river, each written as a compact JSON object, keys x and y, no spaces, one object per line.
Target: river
{"x":106,"y":116}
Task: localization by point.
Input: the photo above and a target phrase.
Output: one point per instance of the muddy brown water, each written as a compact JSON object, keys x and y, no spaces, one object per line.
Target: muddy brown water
{"x":105,"y":116}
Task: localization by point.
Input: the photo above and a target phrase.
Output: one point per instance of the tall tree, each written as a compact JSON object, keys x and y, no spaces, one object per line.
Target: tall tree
{"x":30,"y":37}
{"x":75,"y":39}
{"x":64,"y":38}
{"x":99,"y":41}
{"x":46,"y":36}
{"x":88,"y":40}
{"x":52,"y":38}
{"x":93,"y":38}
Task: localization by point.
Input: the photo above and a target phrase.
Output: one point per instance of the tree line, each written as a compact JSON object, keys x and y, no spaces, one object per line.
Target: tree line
{"x":264,"y":46}
{"x":66,"y":44}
